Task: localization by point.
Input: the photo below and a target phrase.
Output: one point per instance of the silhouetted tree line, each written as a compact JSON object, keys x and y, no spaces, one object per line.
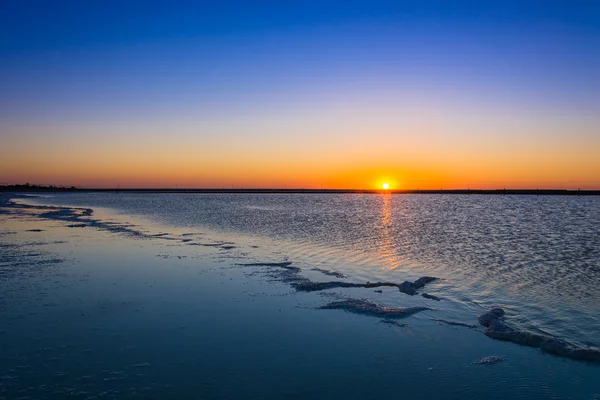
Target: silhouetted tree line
{"x":36,"y":188}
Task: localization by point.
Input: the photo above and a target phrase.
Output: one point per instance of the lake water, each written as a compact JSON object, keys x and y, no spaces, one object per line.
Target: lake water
{"x":177,"y":310}
{"x":538,"y":256}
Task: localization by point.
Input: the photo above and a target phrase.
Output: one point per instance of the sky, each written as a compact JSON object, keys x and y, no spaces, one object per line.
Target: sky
{"x":301,"y":94}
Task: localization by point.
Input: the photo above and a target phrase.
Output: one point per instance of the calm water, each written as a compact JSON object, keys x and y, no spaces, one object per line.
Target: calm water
{"x":536,"y":256}
{"x":146,"y":297}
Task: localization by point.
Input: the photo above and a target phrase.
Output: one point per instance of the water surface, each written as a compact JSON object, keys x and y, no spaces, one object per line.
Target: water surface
{"x":191,"y":296}
{"x":536,"y":256}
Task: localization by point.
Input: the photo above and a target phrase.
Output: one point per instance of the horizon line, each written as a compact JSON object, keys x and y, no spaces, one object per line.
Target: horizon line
{"x":507,"y":191}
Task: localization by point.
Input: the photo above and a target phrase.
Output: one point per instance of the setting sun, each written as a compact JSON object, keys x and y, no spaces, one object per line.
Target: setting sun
{"x":385,"y":186}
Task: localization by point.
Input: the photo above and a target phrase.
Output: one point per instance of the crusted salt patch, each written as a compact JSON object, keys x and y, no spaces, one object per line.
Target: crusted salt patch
{"x":366,"y":307}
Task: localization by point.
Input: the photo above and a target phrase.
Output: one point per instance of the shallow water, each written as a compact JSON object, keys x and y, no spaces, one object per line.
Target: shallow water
{"x":142,"y":299}
{"x":538,"y":256}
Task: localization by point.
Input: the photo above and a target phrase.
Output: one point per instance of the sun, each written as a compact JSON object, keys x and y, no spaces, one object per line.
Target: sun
{"x":385,"y":186}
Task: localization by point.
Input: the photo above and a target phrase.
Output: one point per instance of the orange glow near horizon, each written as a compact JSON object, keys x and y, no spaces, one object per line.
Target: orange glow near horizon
{"x":338,"y":159}
{"x":168,"y":172}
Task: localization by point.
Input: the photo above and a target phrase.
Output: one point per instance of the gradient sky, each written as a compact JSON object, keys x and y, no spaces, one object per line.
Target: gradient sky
{"x":348,"y":94}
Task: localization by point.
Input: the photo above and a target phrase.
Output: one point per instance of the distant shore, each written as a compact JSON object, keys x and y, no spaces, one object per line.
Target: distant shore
{"x":531,"y":192}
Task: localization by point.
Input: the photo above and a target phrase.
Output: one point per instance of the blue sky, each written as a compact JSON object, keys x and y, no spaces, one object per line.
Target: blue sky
{"x":144,"y":50}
